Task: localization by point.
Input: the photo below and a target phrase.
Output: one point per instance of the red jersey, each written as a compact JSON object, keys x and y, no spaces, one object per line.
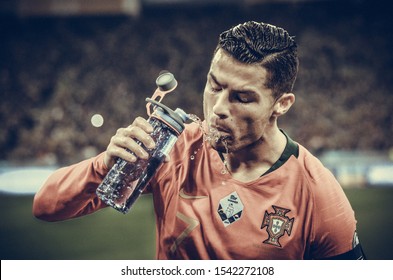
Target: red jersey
{"x":296,"y":210}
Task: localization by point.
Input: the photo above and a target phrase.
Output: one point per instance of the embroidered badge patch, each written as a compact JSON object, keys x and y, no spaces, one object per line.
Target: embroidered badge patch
{"x":277,"y":224}
{"x":230,"y":209}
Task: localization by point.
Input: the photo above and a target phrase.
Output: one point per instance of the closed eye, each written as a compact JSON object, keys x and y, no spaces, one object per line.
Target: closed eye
{"x":244,"y":97}
{"x":214,"y":84}
{"x":215,"y":88}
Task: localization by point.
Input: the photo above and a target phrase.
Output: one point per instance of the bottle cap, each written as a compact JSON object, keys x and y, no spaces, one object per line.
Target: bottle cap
{"x":166,"y":81}
{"x":176,"y":119}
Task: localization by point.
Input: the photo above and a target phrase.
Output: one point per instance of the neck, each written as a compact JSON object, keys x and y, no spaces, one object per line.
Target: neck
{"x":251,"y":162}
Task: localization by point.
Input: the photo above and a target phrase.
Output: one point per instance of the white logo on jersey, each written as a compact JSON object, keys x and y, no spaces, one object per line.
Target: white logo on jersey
{"x":230,"y":209}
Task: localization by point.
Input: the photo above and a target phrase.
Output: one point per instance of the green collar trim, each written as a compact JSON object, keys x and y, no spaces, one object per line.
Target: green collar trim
{"x":291,"y":148}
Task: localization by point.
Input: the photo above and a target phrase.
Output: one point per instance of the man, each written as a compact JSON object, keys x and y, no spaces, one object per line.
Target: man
{"x":239,"y":188}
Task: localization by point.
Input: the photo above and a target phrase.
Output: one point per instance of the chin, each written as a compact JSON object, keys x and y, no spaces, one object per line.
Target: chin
{"x":219,"y":148}
{"x":222,"y":145}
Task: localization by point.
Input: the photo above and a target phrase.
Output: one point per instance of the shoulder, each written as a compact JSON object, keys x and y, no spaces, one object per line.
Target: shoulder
{"x":190,"y":137}
{"x":334,"y":223}
{"x":191,"y":133}
{"x":326,"y":191}
{"x":313,"y":168}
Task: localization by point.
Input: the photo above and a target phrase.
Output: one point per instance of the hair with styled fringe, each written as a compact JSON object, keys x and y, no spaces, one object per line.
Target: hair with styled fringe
{"x":268,"y":45}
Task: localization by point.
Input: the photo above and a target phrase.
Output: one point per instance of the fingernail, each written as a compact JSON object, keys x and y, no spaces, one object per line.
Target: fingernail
{"x":150,"y":143}
{"x":144,"y":153}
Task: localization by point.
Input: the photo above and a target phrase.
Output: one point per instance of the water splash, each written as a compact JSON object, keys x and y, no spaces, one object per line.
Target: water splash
{"x":212,"y":135}
{"x":225,"y":170}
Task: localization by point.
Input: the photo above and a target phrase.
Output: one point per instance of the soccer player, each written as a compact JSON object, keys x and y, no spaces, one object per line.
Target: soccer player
{"x":250,"y":193}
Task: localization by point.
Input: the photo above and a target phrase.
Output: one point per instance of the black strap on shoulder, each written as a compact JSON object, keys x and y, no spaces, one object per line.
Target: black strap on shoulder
{"x":355,"y":254}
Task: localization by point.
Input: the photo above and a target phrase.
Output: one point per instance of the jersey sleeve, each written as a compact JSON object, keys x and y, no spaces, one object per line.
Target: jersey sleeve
{"x":71,"y":191}
{"x":334,"y":223}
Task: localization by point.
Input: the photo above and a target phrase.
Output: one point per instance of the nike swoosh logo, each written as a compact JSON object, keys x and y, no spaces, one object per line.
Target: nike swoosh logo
{"x":182,"y":194}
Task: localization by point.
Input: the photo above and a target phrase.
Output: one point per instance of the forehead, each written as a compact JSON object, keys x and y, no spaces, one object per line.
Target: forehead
{"x":229,"y":71}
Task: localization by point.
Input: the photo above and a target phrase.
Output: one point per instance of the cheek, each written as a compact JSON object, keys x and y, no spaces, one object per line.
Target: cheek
{"x":253,"y":125}
{"x":251,"y":128}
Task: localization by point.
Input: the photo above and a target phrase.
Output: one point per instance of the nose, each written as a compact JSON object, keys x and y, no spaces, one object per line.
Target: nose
{"x":221,"y":104}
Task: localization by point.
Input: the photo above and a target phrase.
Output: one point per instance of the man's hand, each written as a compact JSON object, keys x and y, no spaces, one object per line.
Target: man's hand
{"x":125,"y":138}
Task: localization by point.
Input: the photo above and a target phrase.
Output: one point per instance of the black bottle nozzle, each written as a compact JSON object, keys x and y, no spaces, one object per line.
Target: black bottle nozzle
{"x":178,"y":115}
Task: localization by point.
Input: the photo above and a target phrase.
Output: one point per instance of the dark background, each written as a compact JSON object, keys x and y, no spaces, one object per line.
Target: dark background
{"x":56,"y":72}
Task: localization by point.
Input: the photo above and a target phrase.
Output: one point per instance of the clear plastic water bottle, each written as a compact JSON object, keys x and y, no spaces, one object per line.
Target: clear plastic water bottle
{"x":126,"y":181}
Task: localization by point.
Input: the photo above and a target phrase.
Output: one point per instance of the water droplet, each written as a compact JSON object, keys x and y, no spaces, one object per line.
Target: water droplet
{"x":198,"y":121}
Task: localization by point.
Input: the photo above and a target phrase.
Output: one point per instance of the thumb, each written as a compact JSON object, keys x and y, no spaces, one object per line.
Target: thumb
{"x":167,"y":158}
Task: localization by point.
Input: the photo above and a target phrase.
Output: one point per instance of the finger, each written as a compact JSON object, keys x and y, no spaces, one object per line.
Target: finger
{"x":124,"y":143}
{"x":140,"y":131}
{"x":143,"y":124}
{"x":137,"y":134}
{"x":114,"y":152}
{"x":121,"y":143}
{"x":117,"y":152}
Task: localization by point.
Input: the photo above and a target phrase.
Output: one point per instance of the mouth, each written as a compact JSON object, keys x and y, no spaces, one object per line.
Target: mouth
{"x":218,"y":133}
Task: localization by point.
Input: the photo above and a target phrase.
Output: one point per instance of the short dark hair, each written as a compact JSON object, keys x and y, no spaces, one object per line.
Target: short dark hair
{"x":268,"y":45}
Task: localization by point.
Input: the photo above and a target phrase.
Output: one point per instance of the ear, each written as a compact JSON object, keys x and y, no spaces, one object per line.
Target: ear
{"x":283,"y":104}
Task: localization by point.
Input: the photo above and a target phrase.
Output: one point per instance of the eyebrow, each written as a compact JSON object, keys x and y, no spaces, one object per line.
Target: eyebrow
{"x":246,"y":91}
{"x":214,"y":78}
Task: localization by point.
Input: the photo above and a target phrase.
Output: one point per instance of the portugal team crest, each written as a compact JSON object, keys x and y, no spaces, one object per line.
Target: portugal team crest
{"x":277,"y":224}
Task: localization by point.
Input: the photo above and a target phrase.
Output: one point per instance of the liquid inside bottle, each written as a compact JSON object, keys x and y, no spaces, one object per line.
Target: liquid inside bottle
{"x":126,"y":181}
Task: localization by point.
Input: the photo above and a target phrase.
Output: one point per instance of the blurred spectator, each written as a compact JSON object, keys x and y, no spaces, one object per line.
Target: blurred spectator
{"x":55,"y":73}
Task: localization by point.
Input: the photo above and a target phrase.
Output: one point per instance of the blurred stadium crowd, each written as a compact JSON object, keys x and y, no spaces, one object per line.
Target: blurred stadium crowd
{"x":57,"y":72}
